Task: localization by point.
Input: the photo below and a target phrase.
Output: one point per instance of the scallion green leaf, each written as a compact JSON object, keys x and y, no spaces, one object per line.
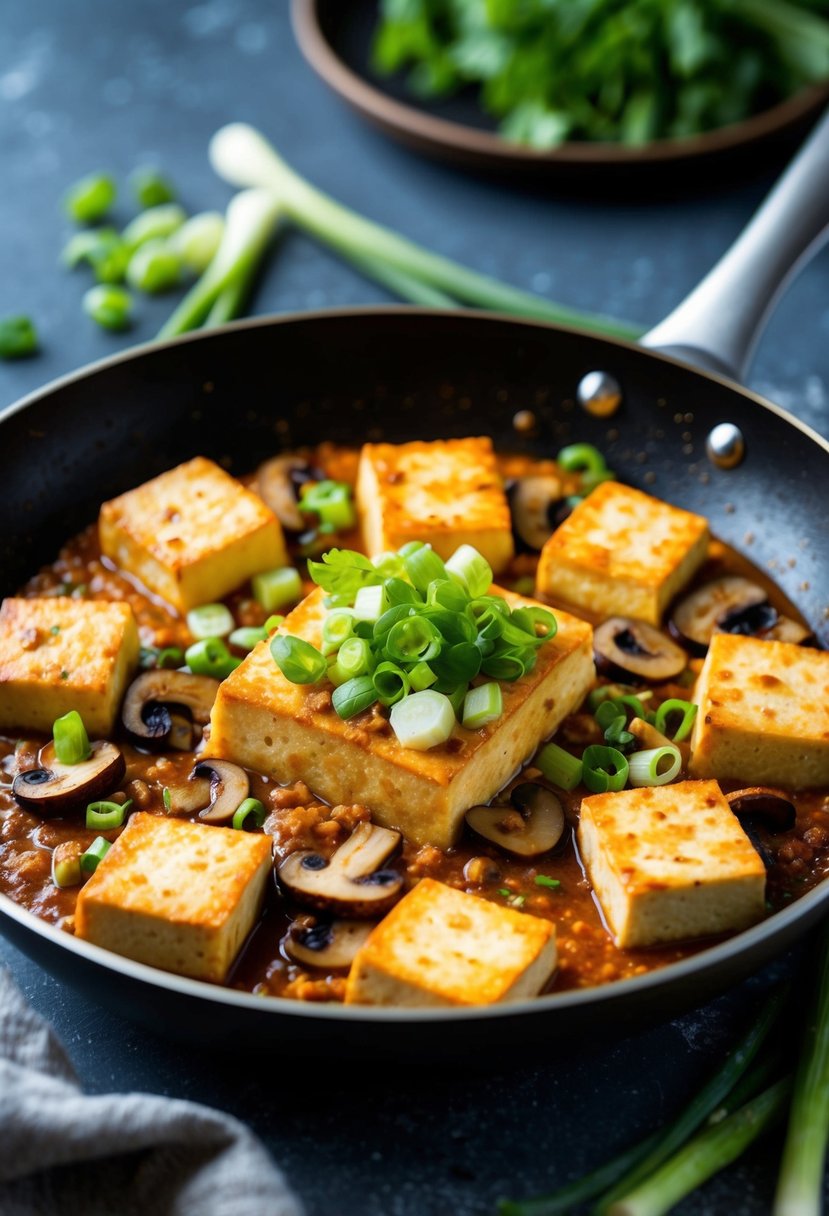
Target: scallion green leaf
{"x":604,"y":768}
{"x":331,"y":501}
{"x":71,"y":741}
{"x":94,"y":855}
{"x":471,"y":569}
{"x":354,"y":696}
{"x":667,"y":710}
{"x":18,"y":338}
{"x":248,"y":636}
{"x":150,"y":187}
{"x":210,"y":657}
{"x":90,"y":198}
{"x":249,"y":814}
{"x":277,"y":588}
{"x":298,"y":660}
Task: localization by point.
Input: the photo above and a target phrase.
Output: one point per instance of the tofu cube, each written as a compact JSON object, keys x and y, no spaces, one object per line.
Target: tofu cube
{"x":291,"y":732}
{"x":670,"y":863}
{"x":622,"y":553}
{"x":447,"y":493}
{"x":440,"y":946}
{"x":763,"y":713}
{"x":176,"y":895}
{"x":58,"y":654}
{"x":192,"y":534}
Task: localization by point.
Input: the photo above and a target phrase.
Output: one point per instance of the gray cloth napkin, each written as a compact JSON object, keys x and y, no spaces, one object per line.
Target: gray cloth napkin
{"x":65,"y":1153}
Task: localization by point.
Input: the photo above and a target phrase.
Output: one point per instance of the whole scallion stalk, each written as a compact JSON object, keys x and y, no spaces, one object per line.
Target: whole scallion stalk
{"x":243,"y":157}
{"x":800,"y":1181}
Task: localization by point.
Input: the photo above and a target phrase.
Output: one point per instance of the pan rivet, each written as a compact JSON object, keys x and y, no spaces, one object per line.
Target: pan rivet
{"x":725,"y":445}
{"x":600,"y":394}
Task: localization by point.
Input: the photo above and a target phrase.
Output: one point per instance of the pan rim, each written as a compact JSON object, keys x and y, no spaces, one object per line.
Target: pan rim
{"x":708,"y":959}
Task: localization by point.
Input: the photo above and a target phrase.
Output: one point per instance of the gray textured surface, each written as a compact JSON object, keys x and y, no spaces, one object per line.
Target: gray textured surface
{"x":92,"y":84}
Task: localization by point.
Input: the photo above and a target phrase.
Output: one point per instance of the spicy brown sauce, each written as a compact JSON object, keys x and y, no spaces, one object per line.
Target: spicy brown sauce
{"x":297,"y":820}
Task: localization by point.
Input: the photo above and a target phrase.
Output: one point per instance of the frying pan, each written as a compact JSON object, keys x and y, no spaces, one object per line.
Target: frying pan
{"x":241,"y":392}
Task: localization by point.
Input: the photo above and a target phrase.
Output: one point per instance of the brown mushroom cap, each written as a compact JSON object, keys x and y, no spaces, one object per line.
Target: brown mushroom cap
{"x":277,"y":481}
{"x":158,"y":701}
{"x":215,"y":788}
{"x":624,"y":647}
{"x":54,"y":788}
{"x":731,"y":604}
{"x":534,"y":824}
{"x":330,"y":944}
{"x":772,"y":808}
{"x":537,"y":508}
{"x":351,"y":884}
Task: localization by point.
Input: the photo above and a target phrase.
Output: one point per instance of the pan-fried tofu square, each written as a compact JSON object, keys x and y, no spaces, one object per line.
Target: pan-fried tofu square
{"x":58,"y":654}
{"x":192,"y":535}
{"x":447,"y":493}
{"x":291,"y":732}
{"x":440,"y":946}
{"x":763,"y":713}
{"x":176,"y":895}
{"x":622,"y":553}
{"x":670,"y":863}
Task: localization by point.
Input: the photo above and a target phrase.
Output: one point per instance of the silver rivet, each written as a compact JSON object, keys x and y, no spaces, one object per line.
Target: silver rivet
{"x":600,"y":394}
{"x":725,"y":445}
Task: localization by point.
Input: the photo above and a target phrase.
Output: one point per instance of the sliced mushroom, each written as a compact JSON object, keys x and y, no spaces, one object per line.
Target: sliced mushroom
{"x":329,"y":944}
{"x":54,"y":788}
{"x":625,"y":647}
{"x":537,"y":508}
{"x":787,"y":630}
{"x":229,"y":787}
{"x":277,"y":483}
{"x":534,"y":823}
{"x":351,"y":884}
{"x":725,"y":605}
{"x":159,"y":704}
{"x":769,"y":807}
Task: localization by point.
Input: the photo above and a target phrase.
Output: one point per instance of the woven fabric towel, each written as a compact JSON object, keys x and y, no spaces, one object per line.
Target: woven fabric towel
{"x":65,"y":1153}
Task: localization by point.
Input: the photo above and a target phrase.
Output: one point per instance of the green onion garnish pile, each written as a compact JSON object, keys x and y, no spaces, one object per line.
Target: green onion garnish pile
{"x":410,"y":632}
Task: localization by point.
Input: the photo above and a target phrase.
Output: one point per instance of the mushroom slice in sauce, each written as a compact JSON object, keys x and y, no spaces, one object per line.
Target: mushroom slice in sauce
{"x":330,"y":944}
{"x":229,"y":787}
{"x":158,"y":704}
{"x":772,"y":808}
{"x":534,"y":823}
{"x":726,"y":605}
{"x":537,"y":508}
{"x":625,"y":647}
{"x":351,"y":884}
{"x":54,"y":788}
{"x":277,"y":483}
{"x":787,"y":630}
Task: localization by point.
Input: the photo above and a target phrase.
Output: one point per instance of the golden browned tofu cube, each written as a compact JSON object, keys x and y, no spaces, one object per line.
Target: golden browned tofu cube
{"x":622,"y":552}
{"x":192,"y":534}
{"x":447,"y":493}
{"x":58,"y":654}
{"x":670,"y":863}
{"x":763,"y":713}
{"x":176,"y":895}
{"x":289,"y":732}
{"x":440,"y":946}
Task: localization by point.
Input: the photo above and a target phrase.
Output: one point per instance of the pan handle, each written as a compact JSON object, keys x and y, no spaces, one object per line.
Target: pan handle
{"x":717,"y":325}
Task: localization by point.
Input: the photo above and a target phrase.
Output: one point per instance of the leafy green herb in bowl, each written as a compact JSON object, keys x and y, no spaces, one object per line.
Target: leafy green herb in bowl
{"x":626,"y":71}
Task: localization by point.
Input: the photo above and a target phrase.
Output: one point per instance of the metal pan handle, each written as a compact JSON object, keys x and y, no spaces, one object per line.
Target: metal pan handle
{"x":717,"y":325}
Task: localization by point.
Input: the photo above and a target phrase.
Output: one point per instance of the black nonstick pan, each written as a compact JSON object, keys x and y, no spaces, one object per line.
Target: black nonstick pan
{"x":238,"y":394}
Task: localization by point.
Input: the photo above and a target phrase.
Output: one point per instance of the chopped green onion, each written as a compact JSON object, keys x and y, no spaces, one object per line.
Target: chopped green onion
{"x":391,"y":683}
{"x":66,"y":870}
{"x":370,"y":603}
{"x":509,"y":665}
{"x":103,"y":816}
{"x":83,"y":246}
{"x":250,"y":813}
{"x":210,"y":621}
{"x":151,"y":187}
{"x":354,"y":696}
{"x":544,"y":880}
{"x":94,"y":855}
{"x":413,"y":639}
{"x":353,"y":659}
{"x":109,"y":306}
{"x":423,"y":719}
{"x":398,"y":591}
{"x":457,"y":664}
{"x":421,"y":676}
{"x":471,"y":569}
{"x":210,"y":657}
{"x":457,"y":696}
{"x":157,"y":223}
{"x":337,"y":628}
{"x":389,"y":565}
{"x":89,"y":199}
{"x":299,"y":661}
{"x":248,"y":636}
{"x":154,"y":267}
{"x":451,"y":596}
{"x":70,"y":738}
{"x":423,"y":567}
{"x":331,"y":501}
{"x":482,"y":705}
{"x":604,"y":768}
{"x":197,"y":241}
{"x":674,"y":706}
{"x":167,"y":798}
{"x":537,"y":622}
{"x":18,"y":338}
{"x":581,"y":458}
{"x":170,"y":656}
{"x":273,"y":622}
{"x":619,"y":692}
{"x":654,"y":766}
{"x":559,"y":767}
{"x":277,"y":588}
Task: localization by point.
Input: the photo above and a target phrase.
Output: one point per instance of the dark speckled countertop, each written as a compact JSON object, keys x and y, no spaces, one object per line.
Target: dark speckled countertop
{"x":94,"y":84}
